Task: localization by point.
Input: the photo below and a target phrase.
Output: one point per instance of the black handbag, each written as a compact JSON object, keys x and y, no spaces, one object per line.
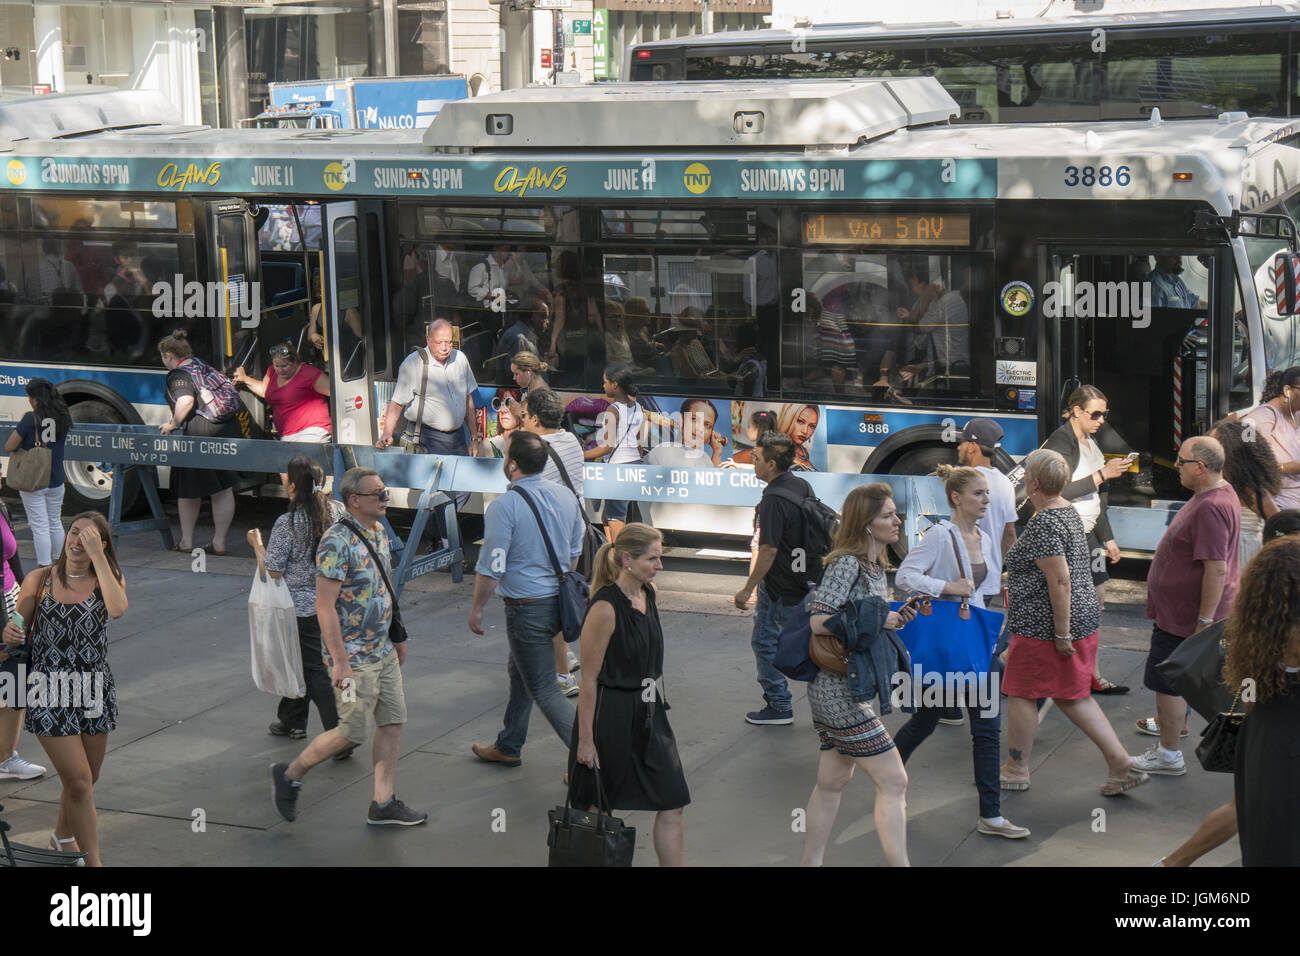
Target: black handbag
{"x":1217,"y":750}
{"x":396,"y":629}
{"x":588,"y":838}
{"x":574,"y":591}
{"x":1195,"y":670}
{"x":592,"y":537}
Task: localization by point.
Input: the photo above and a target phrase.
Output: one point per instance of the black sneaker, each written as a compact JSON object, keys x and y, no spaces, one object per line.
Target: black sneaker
{"x":770,"y":715}
{"x":284,"y":795}
{"x":344,"y":755}
{"x":278,"y":729}
{"x":395,"y":814}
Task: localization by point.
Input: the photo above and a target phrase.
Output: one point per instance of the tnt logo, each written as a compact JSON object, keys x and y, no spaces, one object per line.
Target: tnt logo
{"x":338,"y":175}
{"x":16,"y":171}
{"x":697,"y":178}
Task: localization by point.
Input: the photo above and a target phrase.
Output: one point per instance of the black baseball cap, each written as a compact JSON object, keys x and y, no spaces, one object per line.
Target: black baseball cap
{"x":983,"y":431}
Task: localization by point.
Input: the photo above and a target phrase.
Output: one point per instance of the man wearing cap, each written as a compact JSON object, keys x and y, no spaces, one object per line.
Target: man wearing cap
{"x":975,"y":447}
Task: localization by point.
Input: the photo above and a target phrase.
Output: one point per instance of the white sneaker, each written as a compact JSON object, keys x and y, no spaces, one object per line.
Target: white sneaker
{"x":574,"y":663}
{"x":568,"y":686}
{"x":16,"y":768}
{"x":1153,"y":761}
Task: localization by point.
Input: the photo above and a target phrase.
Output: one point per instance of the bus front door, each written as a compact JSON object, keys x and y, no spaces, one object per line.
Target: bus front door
{"x":356,"y":296}
{"x":1139,"y":324}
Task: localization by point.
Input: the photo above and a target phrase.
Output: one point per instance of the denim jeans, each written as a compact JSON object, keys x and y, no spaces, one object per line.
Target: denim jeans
{"x":44,"y":517}
{"x":529,"y":629}
{"x":985,"y":747}
{"x":769,"y":618}
{"x":292,"y":711}
{"x":444,"y":443}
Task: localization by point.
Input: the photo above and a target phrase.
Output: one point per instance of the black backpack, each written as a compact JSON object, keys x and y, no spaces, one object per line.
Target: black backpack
{"x":820,"y":522}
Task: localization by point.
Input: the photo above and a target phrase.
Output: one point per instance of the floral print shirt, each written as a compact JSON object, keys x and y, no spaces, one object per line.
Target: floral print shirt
{"x":364,"y":606}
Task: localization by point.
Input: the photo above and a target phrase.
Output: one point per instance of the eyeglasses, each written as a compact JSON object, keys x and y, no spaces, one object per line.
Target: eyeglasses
{"x":1189,"y":461}
{"x":281,"y":351}
{"x":382,"y":494}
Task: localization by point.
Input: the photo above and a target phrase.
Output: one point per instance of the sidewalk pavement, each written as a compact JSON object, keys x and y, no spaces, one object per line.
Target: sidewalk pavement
{"x":185,"y":781}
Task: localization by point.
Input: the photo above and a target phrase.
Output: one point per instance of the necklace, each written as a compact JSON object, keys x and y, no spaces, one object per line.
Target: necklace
{"x":71,"y":575}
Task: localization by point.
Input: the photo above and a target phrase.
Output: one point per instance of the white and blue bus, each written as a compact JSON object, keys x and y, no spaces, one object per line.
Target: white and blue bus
{"x":837,"y":252}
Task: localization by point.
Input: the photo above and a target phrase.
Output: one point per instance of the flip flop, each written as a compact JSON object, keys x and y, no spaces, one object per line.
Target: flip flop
{"x":188,"y":550}
{"x":1114,"y":786}
{"x":211,"y":550}
{"x":1105,"y":686}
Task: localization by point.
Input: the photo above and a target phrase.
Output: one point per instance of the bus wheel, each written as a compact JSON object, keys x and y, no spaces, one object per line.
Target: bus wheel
{"x":89,"y":483}
{"x":920,"y":460}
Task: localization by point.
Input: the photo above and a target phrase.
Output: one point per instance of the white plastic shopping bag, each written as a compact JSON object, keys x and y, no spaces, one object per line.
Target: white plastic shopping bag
{"x":273,"y":626}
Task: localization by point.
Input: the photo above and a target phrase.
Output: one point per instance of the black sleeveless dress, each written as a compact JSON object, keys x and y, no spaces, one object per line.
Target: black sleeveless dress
{"x":639,"y":765}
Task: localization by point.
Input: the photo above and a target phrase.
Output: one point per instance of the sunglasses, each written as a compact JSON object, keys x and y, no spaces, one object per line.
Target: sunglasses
{"x":382,"y":494}
{"x":1097,"y":416}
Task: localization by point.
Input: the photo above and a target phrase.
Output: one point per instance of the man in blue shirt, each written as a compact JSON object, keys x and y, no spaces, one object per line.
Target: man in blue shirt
{"x":515,"y":563}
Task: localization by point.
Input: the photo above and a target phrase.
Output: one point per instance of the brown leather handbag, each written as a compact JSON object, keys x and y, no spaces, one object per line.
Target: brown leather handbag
{"x":827,"y":652}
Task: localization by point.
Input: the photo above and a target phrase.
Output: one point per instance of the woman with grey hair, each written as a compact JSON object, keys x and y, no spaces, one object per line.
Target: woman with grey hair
{"x":1054,"y":620}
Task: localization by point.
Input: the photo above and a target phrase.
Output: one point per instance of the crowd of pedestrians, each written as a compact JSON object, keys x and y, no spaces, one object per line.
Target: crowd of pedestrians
{"x":1229,"y":559}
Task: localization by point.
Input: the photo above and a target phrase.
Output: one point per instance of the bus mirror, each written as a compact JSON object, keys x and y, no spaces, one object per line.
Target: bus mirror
{"x":1286,"y":281}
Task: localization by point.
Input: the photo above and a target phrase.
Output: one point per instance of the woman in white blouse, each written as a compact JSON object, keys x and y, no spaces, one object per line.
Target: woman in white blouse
{"x":952,"y":562}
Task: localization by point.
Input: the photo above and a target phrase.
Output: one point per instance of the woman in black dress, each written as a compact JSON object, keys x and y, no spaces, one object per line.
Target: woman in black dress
{"x":65,"y":612}
{"x":622,"y":728}
{"x":194,"y":408}
{"x":1264,"y":648}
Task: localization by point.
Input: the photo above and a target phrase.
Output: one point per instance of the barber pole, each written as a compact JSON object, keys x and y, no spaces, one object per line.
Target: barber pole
{"x":1188,"y":347}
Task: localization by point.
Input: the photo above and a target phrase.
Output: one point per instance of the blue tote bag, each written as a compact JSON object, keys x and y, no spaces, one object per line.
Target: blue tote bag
{"x":951,"y":637}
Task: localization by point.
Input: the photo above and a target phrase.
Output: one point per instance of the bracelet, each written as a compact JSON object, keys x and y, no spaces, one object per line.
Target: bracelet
{"x":1062,"y":637}
{"x":1205,"y":620}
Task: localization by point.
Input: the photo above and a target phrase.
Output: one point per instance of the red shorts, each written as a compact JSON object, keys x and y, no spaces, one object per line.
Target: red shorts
{"x":1034,"y":668}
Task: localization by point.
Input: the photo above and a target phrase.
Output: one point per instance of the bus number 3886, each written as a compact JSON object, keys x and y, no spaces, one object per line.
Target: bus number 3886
{"x":1097,"y":176}
{"x":873,"y":428}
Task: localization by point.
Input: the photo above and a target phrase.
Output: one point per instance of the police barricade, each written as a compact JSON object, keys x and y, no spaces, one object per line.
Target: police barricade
{"x":431,"y":480}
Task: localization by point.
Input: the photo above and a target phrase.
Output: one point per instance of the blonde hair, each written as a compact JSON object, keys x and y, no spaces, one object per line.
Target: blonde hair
{"x":529,"y":362}
{"x":790,"y":414}
{"x":861,"y":507}
{"x":956,"y":479}
{"x":634,"y":540}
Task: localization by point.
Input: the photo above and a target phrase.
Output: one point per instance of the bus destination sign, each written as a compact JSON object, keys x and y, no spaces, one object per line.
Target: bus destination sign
{"x":886,"y":229}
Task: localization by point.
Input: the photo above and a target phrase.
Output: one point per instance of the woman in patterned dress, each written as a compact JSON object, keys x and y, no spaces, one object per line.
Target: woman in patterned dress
{"x":851,"y":733}
{"x":68,"y":632}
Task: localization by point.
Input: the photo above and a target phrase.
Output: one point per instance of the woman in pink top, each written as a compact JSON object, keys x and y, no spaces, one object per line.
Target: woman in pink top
{"x":298,"y":395}
{"x":1276,"y":420}
{"x":12,"y":766}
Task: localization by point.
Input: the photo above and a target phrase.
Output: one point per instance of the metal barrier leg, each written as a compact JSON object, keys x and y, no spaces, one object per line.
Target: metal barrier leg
{"x":159,"y":520}
{"x":150,"y":488}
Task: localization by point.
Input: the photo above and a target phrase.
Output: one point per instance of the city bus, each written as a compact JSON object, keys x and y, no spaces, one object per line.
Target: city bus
{"x":837,"y":252}
{"x":1084,"y":68}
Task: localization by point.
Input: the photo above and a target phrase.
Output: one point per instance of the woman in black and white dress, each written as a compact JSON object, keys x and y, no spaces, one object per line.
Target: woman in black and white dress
{"x":66,"y":610}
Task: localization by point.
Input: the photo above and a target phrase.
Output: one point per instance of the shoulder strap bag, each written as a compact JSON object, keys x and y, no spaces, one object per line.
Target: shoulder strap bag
{"x":396,"y":629}
{"x":592,"y":536}
{"x":574,"y":589}
{"x":963,"y":612}
{"x":29,"y":468}
{"x":410,"y":440}
{"x":1217,"y":750}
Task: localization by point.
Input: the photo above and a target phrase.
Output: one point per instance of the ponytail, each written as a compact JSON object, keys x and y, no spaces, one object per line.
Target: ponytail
{"x":604,"y":569}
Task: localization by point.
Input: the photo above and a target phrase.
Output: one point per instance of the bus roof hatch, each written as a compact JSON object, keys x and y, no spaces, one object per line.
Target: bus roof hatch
{"x":790,"y":114}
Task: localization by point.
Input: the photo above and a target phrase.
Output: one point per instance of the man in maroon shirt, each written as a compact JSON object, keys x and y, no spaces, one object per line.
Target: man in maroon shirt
{"x":1191,"y":584}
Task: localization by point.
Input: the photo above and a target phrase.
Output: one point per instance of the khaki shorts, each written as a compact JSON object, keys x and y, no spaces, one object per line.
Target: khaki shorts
{"x":377,"y":690}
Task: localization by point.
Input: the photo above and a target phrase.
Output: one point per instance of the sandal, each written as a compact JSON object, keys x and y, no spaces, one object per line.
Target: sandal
{"x":57,"y":844}
{"x":1114,"y":786}
{"x":1104,"y":686}
{"x":1013,"y":784}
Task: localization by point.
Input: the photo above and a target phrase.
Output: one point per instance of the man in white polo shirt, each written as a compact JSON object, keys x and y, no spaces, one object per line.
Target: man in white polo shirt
{"x":444,"y":407}
{"x":975,"y":448}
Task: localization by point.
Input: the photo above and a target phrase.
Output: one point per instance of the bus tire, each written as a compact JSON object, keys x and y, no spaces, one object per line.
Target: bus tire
{"x":918,"y":460}
{"x":87,"y":484}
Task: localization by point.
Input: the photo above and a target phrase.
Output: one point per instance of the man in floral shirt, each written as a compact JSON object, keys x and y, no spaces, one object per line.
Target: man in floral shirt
{"x":355,"y":608}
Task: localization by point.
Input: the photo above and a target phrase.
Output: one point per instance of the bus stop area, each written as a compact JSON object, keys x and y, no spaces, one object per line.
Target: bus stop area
{"x":185,"y":779}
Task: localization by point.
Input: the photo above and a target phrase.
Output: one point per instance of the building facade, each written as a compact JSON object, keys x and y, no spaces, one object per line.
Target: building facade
{"x":214,"y":60}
